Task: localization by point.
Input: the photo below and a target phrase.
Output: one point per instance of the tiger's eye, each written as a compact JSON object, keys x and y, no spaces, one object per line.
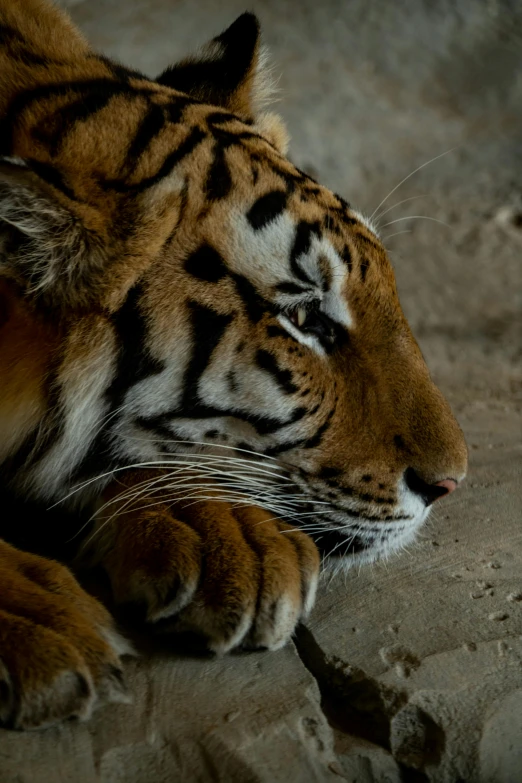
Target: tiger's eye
{"x":299,"y":317}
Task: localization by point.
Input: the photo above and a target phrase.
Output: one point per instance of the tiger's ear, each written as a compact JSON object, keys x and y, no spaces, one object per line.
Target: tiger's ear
{"x":230,"y":71}
{"x":43,"y":245}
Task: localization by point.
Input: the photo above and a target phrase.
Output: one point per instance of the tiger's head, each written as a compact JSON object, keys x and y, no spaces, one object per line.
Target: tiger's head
{"x":204,"y":292}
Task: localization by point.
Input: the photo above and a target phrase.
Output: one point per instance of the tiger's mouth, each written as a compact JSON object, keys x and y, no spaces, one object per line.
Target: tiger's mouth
{"x":363,"y":543}
{"x":357,"y":533}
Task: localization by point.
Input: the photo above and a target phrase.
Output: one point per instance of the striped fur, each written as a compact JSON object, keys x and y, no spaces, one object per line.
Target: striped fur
{"x":176,"y":295}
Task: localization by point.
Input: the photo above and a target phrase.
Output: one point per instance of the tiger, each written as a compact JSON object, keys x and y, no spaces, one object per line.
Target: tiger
{"x":203,"y":356}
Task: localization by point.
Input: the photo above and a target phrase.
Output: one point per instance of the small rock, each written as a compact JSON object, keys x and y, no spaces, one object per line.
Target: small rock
{"x":498,"y":616}
{"x":514,"y":597}
{"x":509,"y":216}
{"x":502,"y":648}
{"x":402,"y":670}
{"x":404,"y":661}
{"x":414,"y":738}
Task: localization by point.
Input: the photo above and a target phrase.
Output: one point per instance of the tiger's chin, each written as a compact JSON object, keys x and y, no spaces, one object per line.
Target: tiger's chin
{"x":363,"y":545}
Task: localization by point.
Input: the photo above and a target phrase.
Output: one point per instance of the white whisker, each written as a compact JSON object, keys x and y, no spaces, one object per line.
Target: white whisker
{"x":408,"y":177}
{"x":416,"y":217}
{"x":396,"y":233}
{"x":397,"y":204}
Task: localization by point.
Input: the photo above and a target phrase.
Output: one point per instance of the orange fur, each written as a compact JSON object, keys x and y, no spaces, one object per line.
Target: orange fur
{"x":222,"y":571}
{"x":59,"y":652}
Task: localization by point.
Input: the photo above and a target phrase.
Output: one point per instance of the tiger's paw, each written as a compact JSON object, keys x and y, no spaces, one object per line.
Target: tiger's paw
{"x":59,"y":650}
{"x":232,"y":576}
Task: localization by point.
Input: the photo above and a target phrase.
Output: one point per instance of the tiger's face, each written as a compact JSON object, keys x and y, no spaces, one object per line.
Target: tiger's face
{"x":250,"y":310}
{"x":286,"y":338}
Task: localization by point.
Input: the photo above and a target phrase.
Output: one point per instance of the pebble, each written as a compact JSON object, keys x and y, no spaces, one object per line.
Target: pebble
{"x":502,"y":648}
{"x":498,"y":616}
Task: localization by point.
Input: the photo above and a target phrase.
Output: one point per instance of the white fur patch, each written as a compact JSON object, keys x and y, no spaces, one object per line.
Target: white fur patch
{"x":366,"y":221}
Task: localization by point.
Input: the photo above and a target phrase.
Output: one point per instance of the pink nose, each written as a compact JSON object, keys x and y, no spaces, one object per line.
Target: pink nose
{"x":448,"y":484}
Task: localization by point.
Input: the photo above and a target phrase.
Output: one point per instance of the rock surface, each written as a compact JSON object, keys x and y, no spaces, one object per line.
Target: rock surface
{"x":418,"y":661}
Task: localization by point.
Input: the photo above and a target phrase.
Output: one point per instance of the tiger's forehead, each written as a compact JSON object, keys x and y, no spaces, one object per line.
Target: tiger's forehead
{"x":274,"y":211}
{"x":287,"y":230}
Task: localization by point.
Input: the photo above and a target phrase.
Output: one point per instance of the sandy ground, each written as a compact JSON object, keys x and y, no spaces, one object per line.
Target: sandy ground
{"x":410,"y":670}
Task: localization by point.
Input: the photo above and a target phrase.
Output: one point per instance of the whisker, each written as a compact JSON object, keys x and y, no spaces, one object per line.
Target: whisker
{"x":397,"y":204}
{"x":416,"y":217}
{"x":408,"y":177}
{"x":173,"y":460}
{"x":239,"y":500}
{"x":396,"y":233}
{"x":210,"y":445}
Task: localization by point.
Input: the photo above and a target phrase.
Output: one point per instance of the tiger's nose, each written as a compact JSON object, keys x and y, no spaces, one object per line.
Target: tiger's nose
{"x":428,"y":492}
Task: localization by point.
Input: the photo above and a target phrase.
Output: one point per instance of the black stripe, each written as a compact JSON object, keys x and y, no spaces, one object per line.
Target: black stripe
{"x":175,"y":110}
{"x":27,"y":57}
{"x":231,"y":138}
{"x":263,"y":425}
{"x":273,"y":330}
{"x":303,"y":443}
{"x":347,"y":257}
{"x":219,"y":180}
{"x":339,"y":544}
{"x":134,"y":361}
{"x":18,"y":48}
{"x":208,"y":327}
{"x":365,"y":265}
{"x":220,"y":117}
{"x":329,"y":472}
{"x":53,"y":177}
{"x":267,"y":362}
{"x":302,"y":243}
{"x":54,"y":130}
{"x":186,"y":147}
{"x":344,"y":204}
{"x":206,"y":264}
{"x":150,"y":127}
{"x":75,"y":89}
{"x":266,"y":209}
{"x":256,"y":306}
{"x":8,"y":34}
{"x":375,"y":245}
{"x":330,"y":224}
{"x":292,"y":289}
